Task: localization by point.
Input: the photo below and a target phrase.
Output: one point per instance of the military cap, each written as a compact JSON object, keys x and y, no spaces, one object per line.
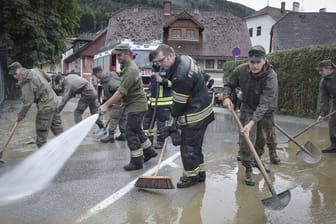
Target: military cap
{"x":13,"y":67}
{"x":58,"y":78}
{"x":326,"y":63}
{"x":96,"y":69}
{"x":120,"y":48}
{"x":256,"y":53}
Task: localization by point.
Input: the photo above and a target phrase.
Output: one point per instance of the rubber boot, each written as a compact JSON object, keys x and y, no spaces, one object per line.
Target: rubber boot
{"x":267,"y":169}
{"x":109,"y":138}
{"x":187,"y":181}
{"x":330,"y":149}
{"x":136,"y":163}
{"x":121,"y":137}
{"x":274,"y":156}
{"x":149,"y":153}
{"x":201,"y":176}
{"x":249,"y":177}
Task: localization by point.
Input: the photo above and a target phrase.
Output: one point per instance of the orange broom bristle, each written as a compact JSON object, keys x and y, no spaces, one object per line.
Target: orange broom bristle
{"x":156,"y":182}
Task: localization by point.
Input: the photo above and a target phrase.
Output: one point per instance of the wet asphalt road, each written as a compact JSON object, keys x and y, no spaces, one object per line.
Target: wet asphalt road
{"x":92,"y":187}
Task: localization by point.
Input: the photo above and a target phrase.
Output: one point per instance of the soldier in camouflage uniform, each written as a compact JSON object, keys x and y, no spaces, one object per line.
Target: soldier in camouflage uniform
{"x":328,"y":100}
{"x":259,"y":85}
{"x":131,"y":91}
{"x":36,"y":88}
{"x":118,"y":113}
{"x":73,"y":84}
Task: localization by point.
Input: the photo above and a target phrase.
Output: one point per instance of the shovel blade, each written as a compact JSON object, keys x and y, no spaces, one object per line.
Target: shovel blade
{"x":277,"y":201}
{"x":313,"y":155}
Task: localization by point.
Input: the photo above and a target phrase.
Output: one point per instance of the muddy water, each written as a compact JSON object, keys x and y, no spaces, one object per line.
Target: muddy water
{"x":223,"y":198}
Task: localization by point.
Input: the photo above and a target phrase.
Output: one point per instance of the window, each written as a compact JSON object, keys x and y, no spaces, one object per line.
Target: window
{"x":176,"y":34}
{"x":258,"y":30}
{"x":251,"y":32}
{"x":190,"y":35}
{"x":220,"y":64}
{"x":209,"y":63}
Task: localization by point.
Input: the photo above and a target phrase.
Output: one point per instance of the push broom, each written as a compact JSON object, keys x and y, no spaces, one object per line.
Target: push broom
{"x":156,"y":182}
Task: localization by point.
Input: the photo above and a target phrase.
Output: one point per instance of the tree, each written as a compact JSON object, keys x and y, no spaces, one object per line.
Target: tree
{"x":35,"y":30}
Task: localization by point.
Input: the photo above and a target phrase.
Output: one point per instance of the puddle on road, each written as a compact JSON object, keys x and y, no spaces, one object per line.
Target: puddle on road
{"x":224,"y":198}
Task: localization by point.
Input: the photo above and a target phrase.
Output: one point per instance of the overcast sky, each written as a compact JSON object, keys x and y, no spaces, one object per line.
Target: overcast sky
{"x":305,"y":5}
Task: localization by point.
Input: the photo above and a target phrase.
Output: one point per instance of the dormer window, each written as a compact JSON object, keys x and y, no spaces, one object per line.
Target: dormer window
{"x":176,"y":34}
{"x":191,"y":34}
{"x":183,"y":27}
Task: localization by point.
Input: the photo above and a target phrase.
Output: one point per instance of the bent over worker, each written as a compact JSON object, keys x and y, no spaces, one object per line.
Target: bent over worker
{"x":73,"y":84}
{"x":118,"y":114}
{"x":36,"y":88}
{"x":191,"y":107}
{"x":131,"y":91}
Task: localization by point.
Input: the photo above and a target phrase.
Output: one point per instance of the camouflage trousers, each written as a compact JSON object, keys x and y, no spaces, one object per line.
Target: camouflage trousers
{"x":118,"y":116}
{"x":83,"y":104}
{"x":262,"y":133}
{"x":45,"y":121}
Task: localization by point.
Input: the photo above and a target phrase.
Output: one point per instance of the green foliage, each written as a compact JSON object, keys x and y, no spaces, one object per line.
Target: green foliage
{"x":35,"y":30}
{"x":297,"y":76}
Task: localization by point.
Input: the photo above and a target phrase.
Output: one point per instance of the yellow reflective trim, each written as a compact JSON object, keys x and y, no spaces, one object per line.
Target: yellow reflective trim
{"x":195,"y":117}
{"x":180,"y":98}
{"x":201,"y":167}
{"x":160,"y":90}
{"x":146,"y":144}
{"x":137,"y":153}
{"x":191,"y":173}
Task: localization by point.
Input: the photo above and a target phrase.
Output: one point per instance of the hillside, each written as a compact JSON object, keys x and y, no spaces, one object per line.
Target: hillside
{"x":96,"y":13}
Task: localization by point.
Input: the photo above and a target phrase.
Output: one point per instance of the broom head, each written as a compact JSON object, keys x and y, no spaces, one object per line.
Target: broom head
{"x":156,"y":182}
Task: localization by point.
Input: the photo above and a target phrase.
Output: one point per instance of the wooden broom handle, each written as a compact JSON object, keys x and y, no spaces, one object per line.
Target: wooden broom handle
{"x":161,"y":156}
{"x":10,"y":136}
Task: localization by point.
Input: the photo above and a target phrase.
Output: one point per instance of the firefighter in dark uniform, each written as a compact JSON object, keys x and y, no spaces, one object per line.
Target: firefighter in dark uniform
{"x":259,"y":85}
{"x":192,"y":109}
{"x":159,"y":103}
{"x":36,"y":88}
{"x":131,"y":91}
{"x":328,"y":100}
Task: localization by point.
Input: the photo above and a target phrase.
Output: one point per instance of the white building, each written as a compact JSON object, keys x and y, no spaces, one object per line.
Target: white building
{"x":260,"y":23}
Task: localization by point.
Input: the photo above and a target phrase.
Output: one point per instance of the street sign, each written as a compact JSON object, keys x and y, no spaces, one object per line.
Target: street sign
{"x":236,"y":52}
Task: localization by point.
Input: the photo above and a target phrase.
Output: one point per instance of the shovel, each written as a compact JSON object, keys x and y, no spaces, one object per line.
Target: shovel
{"x":8,"y":140}
{"x":277,"y":201}
{"x":308,"y":153}
{"x":312,"y":125}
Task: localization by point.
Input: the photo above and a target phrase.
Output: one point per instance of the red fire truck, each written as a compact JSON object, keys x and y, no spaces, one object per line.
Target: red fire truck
{"x":140,"y":52}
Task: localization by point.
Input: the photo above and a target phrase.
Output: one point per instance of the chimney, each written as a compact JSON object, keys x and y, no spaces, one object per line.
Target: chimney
{"x":196,"y":11}
{"x":296,"y":6}
{"x":167,"y":8}
{"x":283,"y":7}
{"x":323,"y":10}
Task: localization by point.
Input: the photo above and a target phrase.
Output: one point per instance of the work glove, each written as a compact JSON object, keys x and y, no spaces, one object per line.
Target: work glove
{"x":173,"y":132}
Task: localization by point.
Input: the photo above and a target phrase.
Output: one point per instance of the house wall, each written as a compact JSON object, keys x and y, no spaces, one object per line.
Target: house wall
{"x":87,"y":63}
{"x":266,"y":22}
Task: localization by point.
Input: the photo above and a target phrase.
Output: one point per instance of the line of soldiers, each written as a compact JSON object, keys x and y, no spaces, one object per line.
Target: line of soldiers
{"x":189,"y":104}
